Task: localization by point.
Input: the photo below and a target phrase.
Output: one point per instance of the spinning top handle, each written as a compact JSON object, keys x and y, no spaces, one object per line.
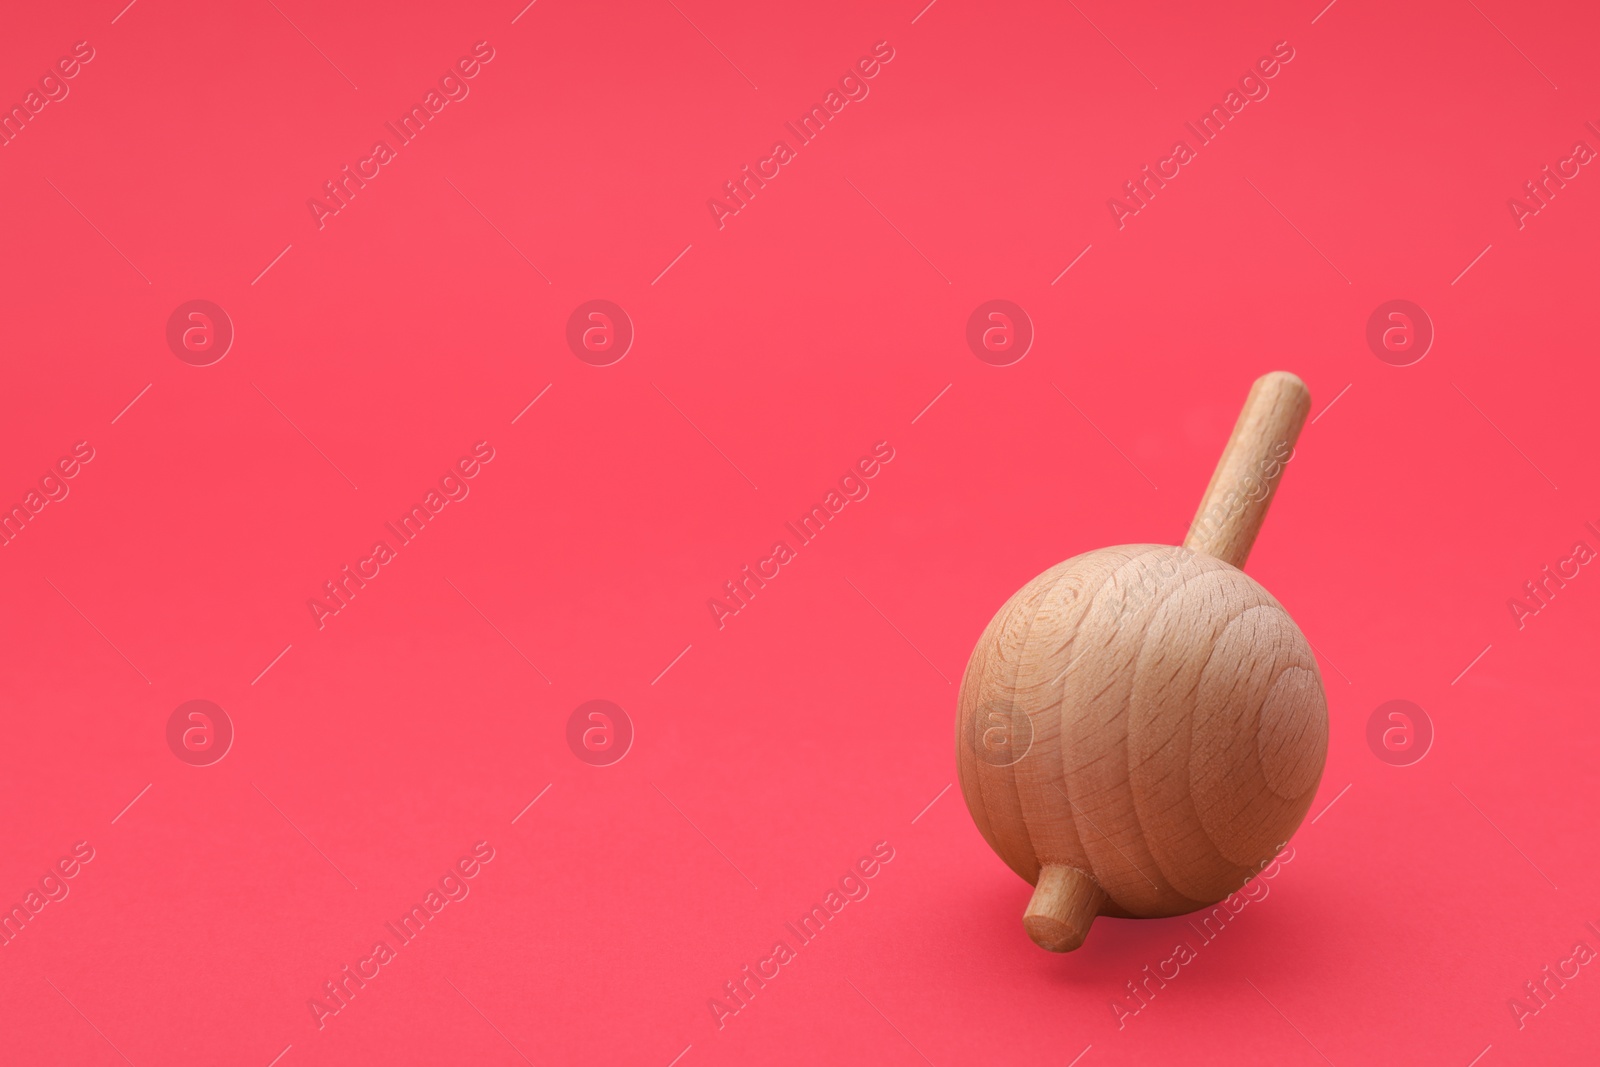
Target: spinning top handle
{"x":1247,"y":475}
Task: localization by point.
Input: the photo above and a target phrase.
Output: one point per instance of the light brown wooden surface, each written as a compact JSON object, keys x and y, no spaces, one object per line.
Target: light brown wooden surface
{"x":1064,"y":903}
{"x":1144,"y":721}
{"x":1247,"y":475}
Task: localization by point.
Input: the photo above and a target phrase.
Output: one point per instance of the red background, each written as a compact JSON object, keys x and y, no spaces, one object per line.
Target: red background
{"x":821,"y":319}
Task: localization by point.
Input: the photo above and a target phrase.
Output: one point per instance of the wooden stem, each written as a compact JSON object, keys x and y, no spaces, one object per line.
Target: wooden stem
{"x":1064,"y":903}
{"x":1247,"y":475}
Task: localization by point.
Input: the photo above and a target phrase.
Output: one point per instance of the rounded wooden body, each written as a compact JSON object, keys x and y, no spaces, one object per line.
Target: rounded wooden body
{"x":1140,"y":730}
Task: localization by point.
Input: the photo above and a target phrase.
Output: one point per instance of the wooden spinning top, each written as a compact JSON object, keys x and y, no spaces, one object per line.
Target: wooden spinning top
{"x":1141,"y":728}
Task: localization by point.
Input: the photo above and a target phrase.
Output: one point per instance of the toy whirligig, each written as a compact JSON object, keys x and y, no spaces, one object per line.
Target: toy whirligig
{"x":1141,"y":728}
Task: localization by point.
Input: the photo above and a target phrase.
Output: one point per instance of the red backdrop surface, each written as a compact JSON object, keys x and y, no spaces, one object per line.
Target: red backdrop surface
{"x":381,"y":338}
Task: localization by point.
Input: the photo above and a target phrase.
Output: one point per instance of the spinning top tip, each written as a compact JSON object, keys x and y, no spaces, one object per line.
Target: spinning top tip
{"x":1065,"y":901}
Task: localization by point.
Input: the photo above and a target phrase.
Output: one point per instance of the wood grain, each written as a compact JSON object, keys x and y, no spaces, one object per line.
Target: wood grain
{"x":1241,"y":490}
{"x":1141,"y":728}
